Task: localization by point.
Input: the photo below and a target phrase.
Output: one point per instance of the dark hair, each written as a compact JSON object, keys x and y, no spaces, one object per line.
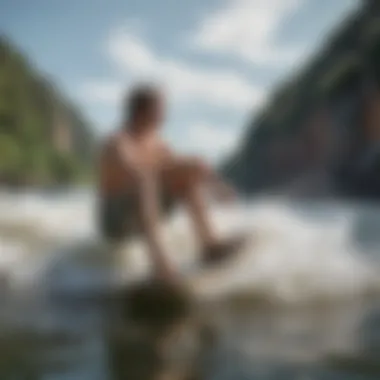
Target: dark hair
{"x":141,"y":98}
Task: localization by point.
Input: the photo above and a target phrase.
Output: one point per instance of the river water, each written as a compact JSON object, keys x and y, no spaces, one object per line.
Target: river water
{"x":301,"y":302}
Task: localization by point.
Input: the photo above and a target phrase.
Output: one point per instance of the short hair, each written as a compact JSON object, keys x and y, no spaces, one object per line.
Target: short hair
{"x":141,"y":98}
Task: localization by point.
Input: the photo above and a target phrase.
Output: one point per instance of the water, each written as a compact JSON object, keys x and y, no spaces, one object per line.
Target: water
{"x":302,"y":301}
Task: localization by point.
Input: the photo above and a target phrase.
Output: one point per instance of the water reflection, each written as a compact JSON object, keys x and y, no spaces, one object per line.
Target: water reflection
{"x":158,"y":334}
{"x":222,"y":341}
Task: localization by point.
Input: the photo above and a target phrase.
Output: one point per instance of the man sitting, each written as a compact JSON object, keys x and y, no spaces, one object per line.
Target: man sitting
{"x":141,"y":177}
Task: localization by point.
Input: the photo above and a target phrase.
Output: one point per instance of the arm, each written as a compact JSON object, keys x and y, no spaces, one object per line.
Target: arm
{"x":148,"y":206}
{"x":149,"y":214}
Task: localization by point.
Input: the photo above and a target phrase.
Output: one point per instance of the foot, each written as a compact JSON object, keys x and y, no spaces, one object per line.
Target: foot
{"x":224,"y":250}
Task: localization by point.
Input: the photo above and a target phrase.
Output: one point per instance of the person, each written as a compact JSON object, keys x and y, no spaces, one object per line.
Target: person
{"x":142,"y":178}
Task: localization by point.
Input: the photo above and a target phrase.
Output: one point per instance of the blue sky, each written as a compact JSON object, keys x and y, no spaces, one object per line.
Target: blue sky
{"x":217,"y":59}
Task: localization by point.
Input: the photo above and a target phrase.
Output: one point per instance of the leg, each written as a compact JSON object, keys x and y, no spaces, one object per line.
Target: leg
{"x":185,"y":182}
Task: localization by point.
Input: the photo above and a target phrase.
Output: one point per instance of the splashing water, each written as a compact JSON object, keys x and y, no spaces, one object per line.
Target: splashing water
{"x":290,"y":257}
{"x":297,"y":254}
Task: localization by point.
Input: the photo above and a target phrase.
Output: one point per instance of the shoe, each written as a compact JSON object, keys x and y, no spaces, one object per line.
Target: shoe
{"x":223,"y":251}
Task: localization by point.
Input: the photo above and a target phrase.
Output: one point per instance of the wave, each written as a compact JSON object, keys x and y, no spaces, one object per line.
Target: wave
{"x":291,"y":256}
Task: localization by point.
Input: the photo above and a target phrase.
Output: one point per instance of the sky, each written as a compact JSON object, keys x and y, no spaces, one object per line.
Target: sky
{"x":217,"y":60}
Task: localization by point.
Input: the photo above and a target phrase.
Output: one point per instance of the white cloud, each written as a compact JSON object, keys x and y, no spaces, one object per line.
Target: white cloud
{"x":183,"y":80}
{"x":210,"y":140}
{"x":129,"y":52}
{"x":247,"y":28}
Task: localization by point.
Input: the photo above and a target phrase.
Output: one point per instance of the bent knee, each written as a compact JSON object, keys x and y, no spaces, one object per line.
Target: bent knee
{"x":182,"y":176}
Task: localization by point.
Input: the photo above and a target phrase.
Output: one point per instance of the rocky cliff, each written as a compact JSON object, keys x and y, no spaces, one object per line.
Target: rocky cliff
{"x":319,"y":133}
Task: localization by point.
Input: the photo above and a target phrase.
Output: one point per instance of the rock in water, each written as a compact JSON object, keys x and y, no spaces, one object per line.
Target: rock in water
{"x":157,"y":305}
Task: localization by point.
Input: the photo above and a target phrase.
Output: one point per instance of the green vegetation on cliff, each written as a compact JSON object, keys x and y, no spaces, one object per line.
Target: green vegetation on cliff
{"x":44,"y":139}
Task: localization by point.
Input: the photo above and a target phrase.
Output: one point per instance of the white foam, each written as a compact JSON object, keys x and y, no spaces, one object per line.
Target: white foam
{"x":290,"y":257}
{"x":65,"y":216}
{"x":18,"y":266}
